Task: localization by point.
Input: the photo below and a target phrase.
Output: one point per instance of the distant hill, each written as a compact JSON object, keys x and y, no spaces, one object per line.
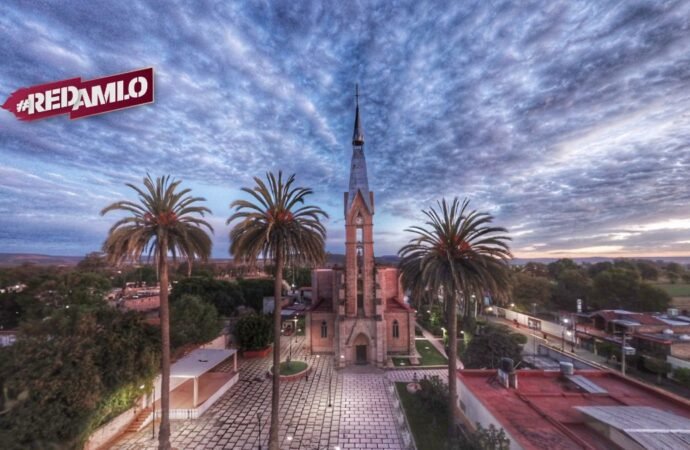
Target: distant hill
{"x":595,"y":259}
{"x":17,"y":259}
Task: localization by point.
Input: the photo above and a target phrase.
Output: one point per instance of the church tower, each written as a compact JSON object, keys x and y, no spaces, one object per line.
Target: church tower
{"x":359,"y":223}
{"x":362,"y":336}
{"x":358,"y":313}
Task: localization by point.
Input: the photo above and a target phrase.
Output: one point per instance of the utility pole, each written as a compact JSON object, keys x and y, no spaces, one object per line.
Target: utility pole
{"x":623,"y":355}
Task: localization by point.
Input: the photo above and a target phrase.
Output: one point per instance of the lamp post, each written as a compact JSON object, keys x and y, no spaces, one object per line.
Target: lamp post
{"x":565,"y":324}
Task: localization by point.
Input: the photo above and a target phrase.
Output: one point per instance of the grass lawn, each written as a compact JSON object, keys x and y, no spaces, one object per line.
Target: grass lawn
{"x":429,"y":429}
{"x":429,"y":355}
{"x":293,"y":368}
{"x":675,"y":290}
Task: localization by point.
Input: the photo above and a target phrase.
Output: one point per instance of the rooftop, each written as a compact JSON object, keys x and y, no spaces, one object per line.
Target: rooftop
{"x":198,"y":362}
{"x":549,"y":411}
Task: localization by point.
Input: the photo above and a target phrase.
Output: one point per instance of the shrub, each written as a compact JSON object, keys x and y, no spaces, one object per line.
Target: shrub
{"x":682,"y":376}
{"x":485,"y":350}
{"x":519,"y":338}
{"x":254,"y":332}
{"x":434,"y":395}
{"x":193,"y":321}
{"x":490,"y":438}
{"x":69,"y":373}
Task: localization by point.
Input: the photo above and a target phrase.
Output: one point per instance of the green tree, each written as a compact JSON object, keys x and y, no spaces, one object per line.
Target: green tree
{"x":648,"y":270}
{"x":571,"y":284}
{"x":193,"y":321}
{"x":279,"y":227}
{"x":536,"y":269}
{"x":486,"y":349}
{"x":557,"y":267}
{"x":457,"y":253}
{"x":254,"y":291}
{"x":60,"y":378}
{"x":651,"y":298}
{"x":623,"y":289}
{"x":254,"y":332}
{"x":527,"y":289}
{"x":165,"y":220}
{"x":226,"y":296}
{"x":93,"y":262}
{"x":596,"y":268}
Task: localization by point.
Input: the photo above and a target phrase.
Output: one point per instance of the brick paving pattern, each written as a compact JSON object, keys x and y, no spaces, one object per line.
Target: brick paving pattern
{"x":360,"y":417}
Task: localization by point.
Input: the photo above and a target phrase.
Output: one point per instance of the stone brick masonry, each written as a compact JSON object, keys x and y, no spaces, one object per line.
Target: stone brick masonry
{"x":360,"y":417}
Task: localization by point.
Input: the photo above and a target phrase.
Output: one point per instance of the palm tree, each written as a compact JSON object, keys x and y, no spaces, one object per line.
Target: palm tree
{"x":164,"y":221}
{"x":456,"y":254}
{"x":279,"y":227}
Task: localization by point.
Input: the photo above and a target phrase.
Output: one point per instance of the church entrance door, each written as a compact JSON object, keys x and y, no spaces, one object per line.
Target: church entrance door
{"x":361,"y":351}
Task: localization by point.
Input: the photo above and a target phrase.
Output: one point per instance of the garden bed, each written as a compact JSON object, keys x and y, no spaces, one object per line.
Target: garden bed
{"x":429,"y":428}
{"x":429,"y":356}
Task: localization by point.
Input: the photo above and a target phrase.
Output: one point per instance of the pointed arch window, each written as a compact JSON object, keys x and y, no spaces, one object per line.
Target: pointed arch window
{"x":396,"y":329}
{"x":324,"y":329}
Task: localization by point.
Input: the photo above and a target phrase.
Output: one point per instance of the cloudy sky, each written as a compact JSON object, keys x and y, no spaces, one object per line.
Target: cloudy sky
{"x":569,"y":121}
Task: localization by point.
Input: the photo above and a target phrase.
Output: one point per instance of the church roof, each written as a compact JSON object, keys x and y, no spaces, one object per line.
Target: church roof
{"x":358,"y":169}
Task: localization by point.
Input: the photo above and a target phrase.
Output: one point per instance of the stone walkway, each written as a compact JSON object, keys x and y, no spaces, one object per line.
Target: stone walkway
{"x":360,"y":416}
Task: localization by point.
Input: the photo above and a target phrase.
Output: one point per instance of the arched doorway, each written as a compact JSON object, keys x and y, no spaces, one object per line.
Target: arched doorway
{"x":361,"y":345}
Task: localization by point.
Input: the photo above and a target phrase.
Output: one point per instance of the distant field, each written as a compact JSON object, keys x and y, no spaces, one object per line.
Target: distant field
{"x":675,"y":290}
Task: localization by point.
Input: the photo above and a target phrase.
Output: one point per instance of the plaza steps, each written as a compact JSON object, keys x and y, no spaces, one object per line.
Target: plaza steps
{"x":140,"y":420}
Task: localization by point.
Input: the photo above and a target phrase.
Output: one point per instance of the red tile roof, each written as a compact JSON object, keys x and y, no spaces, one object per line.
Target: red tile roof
{"x":541,"y":412}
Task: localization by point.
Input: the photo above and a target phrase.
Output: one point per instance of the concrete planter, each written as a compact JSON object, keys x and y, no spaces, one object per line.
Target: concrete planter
{"x":293,"y":377}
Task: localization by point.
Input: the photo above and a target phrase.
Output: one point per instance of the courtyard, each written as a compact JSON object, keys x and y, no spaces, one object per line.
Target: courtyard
{"x":361,"y":414}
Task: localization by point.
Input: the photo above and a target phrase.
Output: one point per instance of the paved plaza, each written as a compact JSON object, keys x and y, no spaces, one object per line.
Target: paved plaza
{"x":361,"y":415}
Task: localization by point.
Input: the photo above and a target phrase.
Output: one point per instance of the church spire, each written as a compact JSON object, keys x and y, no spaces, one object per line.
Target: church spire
{"x":359,"y":182}
{"x":358,"y":134}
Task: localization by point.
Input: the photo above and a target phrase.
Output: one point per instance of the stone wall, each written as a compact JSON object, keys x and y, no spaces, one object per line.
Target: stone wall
{"x":319,"y":344}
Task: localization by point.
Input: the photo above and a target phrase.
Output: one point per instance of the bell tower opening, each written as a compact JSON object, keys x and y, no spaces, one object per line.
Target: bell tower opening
{"x":360,"y":268}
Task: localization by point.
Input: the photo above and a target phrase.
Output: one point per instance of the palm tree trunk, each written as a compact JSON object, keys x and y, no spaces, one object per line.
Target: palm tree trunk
{"x":452,"y":364}
{"x":164,"y":431}
{"x":273,"y":443}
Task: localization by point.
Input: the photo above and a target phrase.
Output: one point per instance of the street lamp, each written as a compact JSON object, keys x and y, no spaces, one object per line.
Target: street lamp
{"x":565,"y":324}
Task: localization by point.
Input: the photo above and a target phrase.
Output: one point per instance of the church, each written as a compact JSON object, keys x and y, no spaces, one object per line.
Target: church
{"x":358,"y":312}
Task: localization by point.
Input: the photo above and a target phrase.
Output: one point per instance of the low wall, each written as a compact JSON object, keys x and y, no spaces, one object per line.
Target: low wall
{"x":475,"y":412}
{"x":219,"y":343}
{"x":539,"y":325}
{"x":678,"y":363}
{"x":564,"y":357}
{"x":107,"y":432}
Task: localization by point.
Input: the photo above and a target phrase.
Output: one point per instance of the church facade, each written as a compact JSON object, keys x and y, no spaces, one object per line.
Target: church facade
{"x":358,"y":312}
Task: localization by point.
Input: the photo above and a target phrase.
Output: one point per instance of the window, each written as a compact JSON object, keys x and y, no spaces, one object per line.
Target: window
{"x":324,"y":329}
{"x":396,"y":329}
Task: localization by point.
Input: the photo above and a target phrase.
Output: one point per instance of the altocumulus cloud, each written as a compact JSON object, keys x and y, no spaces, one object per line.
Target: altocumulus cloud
{"x":569,"y":121}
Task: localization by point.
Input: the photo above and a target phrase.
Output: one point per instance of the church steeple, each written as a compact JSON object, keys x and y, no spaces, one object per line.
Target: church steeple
{"x":358,"y":134}
{"x":358,"y":169}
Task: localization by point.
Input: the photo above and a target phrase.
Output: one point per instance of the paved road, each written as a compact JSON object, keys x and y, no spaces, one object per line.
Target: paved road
{"x":361,"y":416}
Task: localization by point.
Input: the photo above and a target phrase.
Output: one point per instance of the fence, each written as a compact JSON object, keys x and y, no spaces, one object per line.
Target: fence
{"x":404,"y":430}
